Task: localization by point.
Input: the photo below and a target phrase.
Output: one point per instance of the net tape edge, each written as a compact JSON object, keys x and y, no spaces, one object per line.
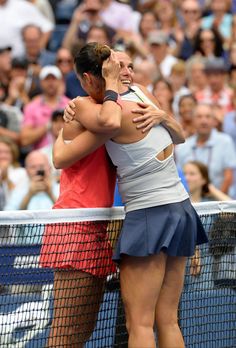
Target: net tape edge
{"x":95,"y":214}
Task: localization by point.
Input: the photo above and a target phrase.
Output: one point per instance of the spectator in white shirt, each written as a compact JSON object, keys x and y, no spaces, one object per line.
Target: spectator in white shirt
{"x":14,"y":15}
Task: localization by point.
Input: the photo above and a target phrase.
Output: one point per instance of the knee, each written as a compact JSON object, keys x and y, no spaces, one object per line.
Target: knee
{"x":164,"y":319}
{"x":136,"y":321}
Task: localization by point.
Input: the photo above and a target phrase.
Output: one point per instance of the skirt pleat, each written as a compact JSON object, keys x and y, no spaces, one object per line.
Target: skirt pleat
{"x":173,"y":228}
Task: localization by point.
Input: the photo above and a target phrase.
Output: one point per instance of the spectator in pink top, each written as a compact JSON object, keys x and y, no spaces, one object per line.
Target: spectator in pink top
{"x":37,"y":114}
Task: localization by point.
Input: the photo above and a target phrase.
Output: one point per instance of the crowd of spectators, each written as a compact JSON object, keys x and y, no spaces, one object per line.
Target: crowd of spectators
{"x":184,"y":52}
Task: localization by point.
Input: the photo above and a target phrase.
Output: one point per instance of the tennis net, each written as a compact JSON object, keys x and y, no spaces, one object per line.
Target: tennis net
{"x":33,"y":290}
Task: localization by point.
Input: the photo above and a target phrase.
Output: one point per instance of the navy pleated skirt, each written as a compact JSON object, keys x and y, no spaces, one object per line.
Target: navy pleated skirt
{"x":173,"y":228}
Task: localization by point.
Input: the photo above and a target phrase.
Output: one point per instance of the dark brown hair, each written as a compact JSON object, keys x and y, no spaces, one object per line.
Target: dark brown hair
{"x":90,"y":59}
{"x":204,"y":173}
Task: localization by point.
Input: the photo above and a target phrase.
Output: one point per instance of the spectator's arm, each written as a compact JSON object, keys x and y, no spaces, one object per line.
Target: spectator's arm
{"x":36,"y":185}
{"x":227,"y":181}
{"x":15,"y":136}
{"x":30,"y":135}
{"x":218,"y":194}
{"x":45,"y":38}
{"x":25,"y":201}
{"x":71,"y":33}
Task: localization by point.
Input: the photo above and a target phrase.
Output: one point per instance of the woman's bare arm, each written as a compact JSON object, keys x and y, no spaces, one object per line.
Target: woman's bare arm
{"x":66,"y":154}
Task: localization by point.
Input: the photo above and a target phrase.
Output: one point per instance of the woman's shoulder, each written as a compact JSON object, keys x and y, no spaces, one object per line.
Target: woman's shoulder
{"x":84,"y":100}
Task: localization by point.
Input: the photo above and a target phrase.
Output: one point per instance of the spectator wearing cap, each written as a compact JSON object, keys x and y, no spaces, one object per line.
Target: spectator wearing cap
{"x":211,"y":147}
{"x":5,"y":69}
{"x":37,"y":114}
{"x":217,"y":91}
{"x":15,"y":15}
{"x":159,"y":49}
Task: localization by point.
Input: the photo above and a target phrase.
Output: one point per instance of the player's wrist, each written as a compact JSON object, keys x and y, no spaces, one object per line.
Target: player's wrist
{"x":113,"y":96}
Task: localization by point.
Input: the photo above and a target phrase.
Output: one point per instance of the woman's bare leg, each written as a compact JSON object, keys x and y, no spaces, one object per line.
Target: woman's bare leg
{"x":141,"y":279}
{"x":77,"y":298}
{"x":169,"y":334}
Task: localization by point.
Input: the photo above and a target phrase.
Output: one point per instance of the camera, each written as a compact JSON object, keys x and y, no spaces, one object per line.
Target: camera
{"x":40,"y":172}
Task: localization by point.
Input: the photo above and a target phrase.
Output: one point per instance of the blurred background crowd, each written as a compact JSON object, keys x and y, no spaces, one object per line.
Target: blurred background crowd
{"x":183,"y":51}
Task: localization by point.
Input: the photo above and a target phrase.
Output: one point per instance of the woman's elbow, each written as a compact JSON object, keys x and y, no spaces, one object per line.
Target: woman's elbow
{"x":110,"y":124}
{"x":112,"y":127}
{"x":58,"y":162}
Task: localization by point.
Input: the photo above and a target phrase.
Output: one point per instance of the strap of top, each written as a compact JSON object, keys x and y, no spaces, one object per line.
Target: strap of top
{"x":142,"y":96}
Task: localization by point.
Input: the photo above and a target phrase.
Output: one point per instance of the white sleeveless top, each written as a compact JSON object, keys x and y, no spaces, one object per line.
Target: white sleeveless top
{"x":143,"y":180}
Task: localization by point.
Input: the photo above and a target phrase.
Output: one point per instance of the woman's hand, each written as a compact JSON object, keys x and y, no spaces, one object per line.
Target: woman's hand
{"x":195,"y":263}
{"x":111,"y":69}
{"x":69,"y":112}
{"x":149,"y":116}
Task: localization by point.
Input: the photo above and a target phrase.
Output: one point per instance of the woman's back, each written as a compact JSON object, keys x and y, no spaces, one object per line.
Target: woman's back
{"x":145,"y":165}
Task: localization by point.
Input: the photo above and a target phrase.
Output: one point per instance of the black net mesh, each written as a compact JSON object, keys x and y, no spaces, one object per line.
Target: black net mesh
{"x":59,"y":278}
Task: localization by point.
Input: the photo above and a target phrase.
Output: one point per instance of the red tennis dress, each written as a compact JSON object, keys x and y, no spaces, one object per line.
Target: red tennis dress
{"x":85,"y":246}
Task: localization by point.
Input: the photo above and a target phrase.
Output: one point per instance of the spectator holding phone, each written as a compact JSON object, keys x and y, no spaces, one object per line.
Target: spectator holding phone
{"x":39,"y":191}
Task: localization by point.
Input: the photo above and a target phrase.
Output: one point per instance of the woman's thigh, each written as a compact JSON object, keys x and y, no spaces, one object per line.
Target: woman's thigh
{"x":168,"y":300}
{"x":141,"y":279}
{"x":76,"y":293}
